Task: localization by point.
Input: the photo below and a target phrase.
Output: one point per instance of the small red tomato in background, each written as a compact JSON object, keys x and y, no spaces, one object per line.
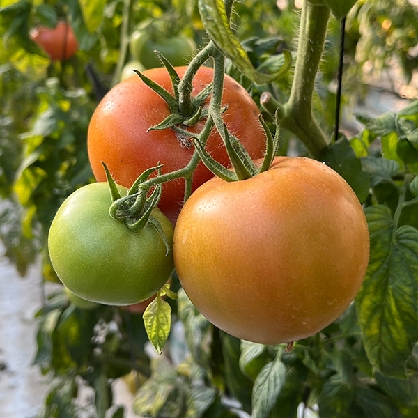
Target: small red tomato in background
{"x":59,"y":43}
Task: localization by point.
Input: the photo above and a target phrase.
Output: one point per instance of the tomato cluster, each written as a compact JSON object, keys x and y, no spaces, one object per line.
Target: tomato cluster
{"x":273,"y":258}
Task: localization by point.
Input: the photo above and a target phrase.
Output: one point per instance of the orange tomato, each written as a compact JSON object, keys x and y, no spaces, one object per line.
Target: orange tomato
{"x":274,"y":258}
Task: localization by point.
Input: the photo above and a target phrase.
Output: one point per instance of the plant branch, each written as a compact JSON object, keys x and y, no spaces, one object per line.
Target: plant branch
{"x":296,"y":115}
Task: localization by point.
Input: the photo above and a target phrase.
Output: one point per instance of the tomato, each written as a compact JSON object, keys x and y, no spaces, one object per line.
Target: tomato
{"x":99,"y":259}
{"x":59,"y":43}
{"x":274,"y":258}
{"x":128,"y":70}
{"x":179,"y":50}
{"x":79,"y":302}
{"x":117,"y":133}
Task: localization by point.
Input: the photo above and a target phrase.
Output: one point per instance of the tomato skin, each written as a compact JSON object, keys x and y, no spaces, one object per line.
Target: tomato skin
{"x":118,"y":135}
{"x":274,"y":258}
{"x":98,"y":258}
{"x":179,"y":49}
{"x":59,"y":43}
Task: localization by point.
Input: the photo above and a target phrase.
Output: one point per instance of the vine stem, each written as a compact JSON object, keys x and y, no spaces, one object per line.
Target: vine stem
{"x":296,"y":115}
{"x":124,"y":39}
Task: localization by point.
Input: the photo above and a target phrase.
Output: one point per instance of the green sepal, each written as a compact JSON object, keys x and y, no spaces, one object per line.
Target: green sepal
{"x":143,"y":177}
{"x":272,"y":145}
{"x":162,"y":92}
{"x":157,"y":226}
{"x":171,"y":120}
{"x":216,"y":168}
{"x":150,"y":204}
{"x":201,"y":97}
{"x":114,"y":191}
{"x":238,"y":155}
{"x":157,"y":321}
{"x":175,"y":79}
{"x":198,"y":115}
{"x":215,"y":21}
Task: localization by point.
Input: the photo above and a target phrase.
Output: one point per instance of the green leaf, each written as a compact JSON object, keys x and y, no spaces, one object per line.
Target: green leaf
{"x":410,"y":110}
{"x":92,"y":13}
{"x":379,"y":169}
{"x":267,"y":387}
{"x":335,"y":397}
{"x":197,"y":328}
{"x":403,"y":391}
{"x":252,"y":358}
{"x":413,"y":186}
{"x":387,"y":301}
{"x":162,"y":395}
{"x":381,"y":126}
{"x":157,"y":320}
{"x":238,"y":384}
{"x":199,"y":399}
{"x":216,"y":24}
{"x":341,"y":158}
{"x":374,"y":404}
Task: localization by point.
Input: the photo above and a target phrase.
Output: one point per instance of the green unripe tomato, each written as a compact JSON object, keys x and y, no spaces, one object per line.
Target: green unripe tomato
{"x":179,"y":49}
{"x":99,"y":259}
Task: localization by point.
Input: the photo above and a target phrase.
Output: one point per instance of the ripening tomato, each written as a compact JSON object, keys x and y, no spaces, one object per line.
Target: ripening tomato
{"x":59,"y":43}
{"x":274,"y":258}
{"x":99,"y":259}
{"x":118,"y":135}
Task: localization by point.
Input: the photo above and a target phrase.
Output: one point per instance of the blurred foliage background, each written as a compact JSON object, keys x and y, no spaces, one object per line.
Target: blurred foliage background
{"x":45,"y":110}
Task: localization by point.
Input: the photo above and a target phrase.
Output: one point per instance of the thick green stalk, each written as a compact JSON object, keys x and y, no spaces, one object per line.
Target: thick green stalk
{"x":297,"y":114}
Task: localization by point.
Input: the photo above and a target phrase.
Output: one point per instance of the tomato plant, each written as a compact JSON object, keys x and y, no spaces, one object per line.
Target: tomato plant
{"x":274,"y":258}
{"x":118,"y":133}
{"x":59,"y":43}
{"x":178,"y":49}
{"x":89,"y":250}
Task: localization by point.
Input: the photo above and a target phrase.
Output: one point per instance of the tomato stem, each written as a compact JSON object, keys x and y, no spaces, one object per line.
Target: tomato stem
{"x":296,"y":115}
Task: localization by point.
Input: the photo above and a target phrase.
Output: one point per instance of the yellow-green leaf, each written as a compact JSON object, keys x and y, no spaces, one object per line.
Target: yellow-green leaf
{"x":216,"y":24}
{"x":157,"y":320}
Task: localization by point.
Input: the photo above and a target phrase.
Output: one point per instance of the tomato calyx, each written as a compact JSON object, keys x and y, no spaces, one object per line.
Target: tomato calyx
{"x":136,"y":207}
{"x":243,"y":166}
{"x":180,"y":114}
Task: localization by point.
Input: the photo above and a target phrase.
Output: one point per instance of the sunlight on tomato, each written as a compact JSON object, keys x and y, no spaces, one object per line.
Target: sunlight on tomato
{"x":274,"y":258}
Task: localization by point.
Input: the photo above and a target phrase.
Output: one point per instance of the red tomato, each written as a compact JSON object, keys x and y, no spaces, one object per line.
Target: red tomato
{"x":118,"y":133}
{"x":59,"y":43}
{"x":274,"y":258}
